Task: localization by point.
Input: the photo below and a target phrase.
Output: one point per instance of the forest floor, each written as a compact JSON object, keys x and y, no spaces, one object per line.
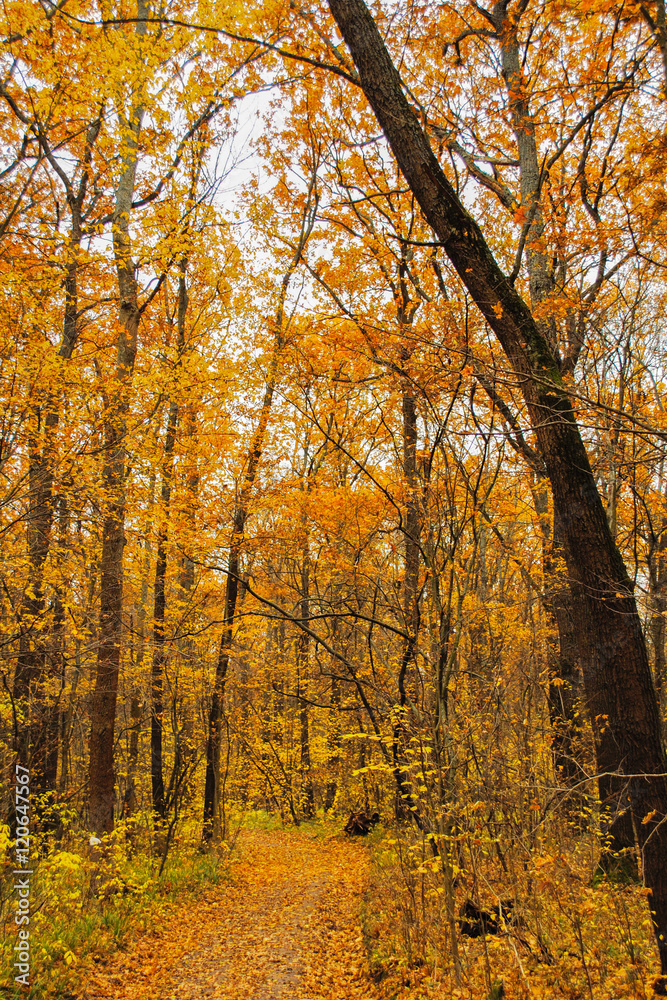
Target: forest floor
{"x":286,"y":925}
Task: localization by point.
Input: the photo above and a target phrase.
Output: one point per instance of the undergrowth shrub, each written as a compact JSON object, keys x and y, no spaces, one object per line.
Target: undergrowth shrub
{"x":563,"y":932}
{"x":88,"y":902}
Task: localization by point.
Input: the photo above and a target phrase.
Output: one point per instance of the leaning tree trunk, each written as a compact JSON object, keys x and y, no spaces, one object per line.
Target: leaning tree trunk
{"x":617,"y":677}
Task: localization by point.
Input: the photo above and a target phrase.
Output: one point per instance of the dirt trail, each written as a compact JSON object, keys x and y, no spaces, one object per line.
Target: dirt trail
{"x":287,"y":926}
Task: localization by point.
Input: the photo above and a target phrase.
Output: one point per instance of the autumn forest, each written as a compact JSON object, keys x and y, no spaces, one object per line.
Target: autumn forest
{"x":333,"y":499}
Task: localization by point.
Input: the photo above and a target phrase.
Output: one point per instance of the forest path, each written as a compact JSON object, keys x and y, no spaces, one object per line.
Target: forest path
{"x":286,"y":926}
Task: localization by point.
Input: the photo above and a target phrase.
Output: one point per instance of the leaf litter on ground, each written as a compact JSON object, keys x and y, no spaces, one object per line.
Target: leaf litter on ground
{"x":286,"y":925}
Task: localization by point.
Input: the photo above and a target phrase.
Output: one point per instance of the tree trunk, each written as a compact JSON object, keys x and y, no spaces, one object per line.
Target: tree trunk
{"x":216,"y":714}
{"x":137,"y":652}
{"x":130,"y":800}
{"x":619,"y":687}
{"x":101,"y":779}
{"x":405,"y":804}
{"x":33,"y":668}
{"x":306,"y":799}
{"x":334,"y":742}
{"x":211,"y":831}
{"x":35,"y":664}
{"x":187,"y":647}
{"x":563,"y":681}
{"x":564,"y":668}
{"x":159,"y":659}
{"x":657,"y":565}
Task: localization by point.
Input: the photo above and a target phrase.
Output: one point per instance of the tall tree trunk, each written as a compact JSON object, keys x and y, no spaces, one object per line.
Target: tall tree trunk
{"x":187,"y":648}
{"x":47,"y":743}
{"x":334,"y":740}
{"x":211,"y":830}
{"x":130,"y":798}
{"x":159,"y":659}
{"x":657,"y":568}
{"x":405,"y":804}
{"x":617,"y":677}
{"x":33,"y":665}
{"x":216,"y":712}
{"x":306,"y":799}
{"x":137,"y":653}
{"x":101,"y":780}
